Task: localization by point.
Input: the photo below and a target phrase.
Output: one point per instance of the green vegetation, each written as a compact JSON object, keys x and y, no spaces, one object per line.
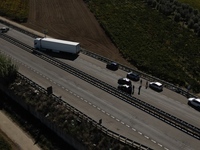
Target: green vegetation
{"x":152,"y":41}
{"x":15,"y":9}
{"x":69,"y":120}
{"x":3,"y":144}
{"x":193,"y":3}
{"x":8,"y":70}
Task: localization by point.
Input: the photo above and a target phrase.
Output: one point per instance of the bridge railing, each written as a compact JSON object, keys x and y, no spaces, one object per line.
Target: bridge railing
{"x":81,"y":115}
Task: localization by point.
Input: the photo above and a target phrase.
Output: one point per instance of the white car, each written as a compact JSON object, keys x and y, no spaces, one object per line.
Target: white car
{"x":124,"y":81}
{"x":194,"y":102}
{"x":157,"y":86}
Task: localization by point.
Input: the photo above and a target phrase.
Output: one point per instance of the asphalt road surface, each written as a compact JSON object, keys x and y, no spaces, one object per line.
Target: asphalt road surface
{"x":97,"y":104}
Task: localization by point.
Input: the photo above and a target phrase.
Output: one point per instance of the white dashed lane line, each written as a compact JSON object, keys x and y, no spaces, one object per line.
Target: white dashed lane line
{"x":133,"y":129}
{"x":146,"y":137}
{"x":140,"y":133}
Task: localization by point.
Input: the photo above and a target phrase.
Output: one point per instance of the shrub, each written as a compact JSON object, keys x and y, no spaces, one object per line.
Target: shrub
{"x":177,"y":17}
{"x":196,"y":27}
{"x":196,"y":11}
{"x":154,"y":3}
{"x":8,"y":70}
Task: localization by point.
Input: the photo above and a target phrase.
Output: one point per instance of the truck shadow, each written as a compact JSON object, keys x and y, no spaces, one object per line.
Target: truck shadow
{"x":62,"y":55}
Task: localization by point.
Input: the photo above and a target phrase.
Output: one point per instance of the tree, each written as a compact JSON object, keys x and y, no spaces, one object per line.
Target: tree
{"x":190,"y":24}
{"x":190,"y":9}
{"x":149,"y":2}
{"x":177,"y":17}
{"x":154,"y":3}
{"x":196,"y":11}
{"x":196,"y":27}
{"x":8,"y":70}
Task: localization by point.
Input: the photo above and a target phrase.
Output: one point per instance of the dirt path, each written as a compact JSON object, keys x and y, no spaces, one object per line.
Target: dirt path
{"x":14,"y":134}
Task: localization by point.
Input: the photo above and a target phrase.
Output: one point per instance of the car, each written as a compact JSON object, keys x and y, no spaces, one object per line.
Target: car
{"x":125,"y":88}
{"x":124,"y":81}
{"x":112,"y":66}
{"x":194,"y":102}
{"x":133,"y":76}
{"x":4,"y":29}
{"x":157,"y":86}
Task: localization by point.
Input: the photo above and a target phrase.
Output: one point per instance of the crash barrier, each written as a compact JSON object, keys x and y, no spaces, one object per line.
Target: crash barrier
{"x":59,"y":131}
{"x":170,"y":86}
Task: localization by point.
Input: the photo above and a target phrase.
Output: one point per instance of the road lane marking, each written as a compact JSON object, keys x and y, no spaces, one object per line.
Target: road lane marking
{"x":85,"y":100}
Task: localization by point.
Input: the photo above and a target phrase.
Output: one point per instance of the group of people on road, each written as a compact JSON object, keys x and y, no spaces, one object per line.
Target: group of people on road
{"x":139,"y":88}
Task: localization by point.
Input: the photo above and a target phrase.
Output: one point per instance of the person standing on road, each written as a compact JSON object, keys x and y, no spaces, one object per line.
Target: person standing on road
{"x":133,"y":89}
{"x":141,"y":82}
{"x":139,"y":89}
{"x":147,"y":84}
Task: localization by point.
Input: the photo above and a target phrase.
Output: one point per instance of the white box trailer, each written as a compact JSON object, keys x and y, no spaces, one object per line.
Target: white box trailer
{"x":56,"y":45}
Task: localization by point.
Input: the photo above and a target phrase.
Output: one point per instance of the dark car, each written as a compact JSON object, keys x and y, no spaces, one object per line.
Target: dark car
{"x":112,"y":66}
{"x":133,"y":76}
{"x":4,"y":29}
{"x":124,"y":81}
{"x":194,"y":102}
{"x":125,"y":88}
{"x":157,"y":86}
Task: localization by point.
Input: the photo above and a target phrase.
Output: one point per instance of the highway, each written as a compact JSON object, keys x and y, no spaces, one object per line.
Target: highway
{"x":116,"y":114}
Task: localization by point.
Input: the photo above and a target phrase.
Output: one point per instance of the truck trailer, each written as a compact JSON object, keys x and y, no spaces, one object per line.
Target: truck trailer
{"x":56,"y":45}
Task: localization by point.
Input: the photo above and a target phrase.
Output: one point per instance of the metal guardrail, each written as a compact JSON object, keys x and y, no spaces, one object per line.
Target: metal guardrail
{"x":148,"y":77}
{"x":106,"y":131}
{"x":172,"y":120}
{"x":168,"y":85}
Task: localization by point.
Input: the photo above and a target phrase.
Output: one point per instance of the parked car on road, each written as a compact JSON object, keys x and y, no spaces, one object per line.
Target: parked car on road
{"x":133,"y":76}
{"x":125,"y":88}
{"x":157,"y":86}
{"x":112,"y":66}
{"x":124,"y":81}
{"x":194,"y":102}
{"x":4,"y":29}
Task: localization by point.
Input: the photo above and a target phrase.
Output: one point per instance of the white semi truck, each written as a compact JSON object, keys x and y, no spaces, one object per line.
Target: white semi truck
{"x":56,"y":45}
